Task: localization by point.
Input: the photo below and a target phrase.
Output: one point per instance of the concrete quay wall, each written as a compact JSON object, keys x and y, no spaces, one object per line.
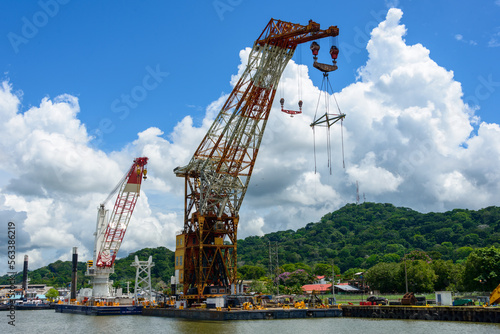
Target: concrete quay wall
{"x":444,"y":313}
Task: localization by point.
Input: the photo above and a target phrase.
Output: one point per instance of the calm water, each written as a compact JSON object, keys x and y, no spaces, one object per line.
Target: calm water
{"x":48,"y":321}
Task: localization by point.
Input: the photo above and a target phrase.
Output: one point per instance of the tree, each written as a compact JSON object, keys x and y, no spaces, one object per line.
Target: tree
{"x":420,"y":241}
{"x":396,"y":248}
{"x":461,"y":217}
{"x":448,"y":275}
{"x":323,"y":269}
{"x":456,"y":278}
{"x":383,"y":277}
{"x":303,"y":266}
{"x":160,"y":286}
{"x":421,"y":277}
{"x":251,"y":272}
{"x":471,"y":239}
{"x":299,"y":277}
{"x":293,"y":257}
{"x":417,"y":255}
{"x":258,"y":286}
{"x":52,"y":294}
{"x":482,"y":269}
{"x":349,"y":274}
{"x":461,"y":254}
{"x":288,"y":267}
{"x":372,"y":260}
{"x":391,"y":257}
{"x":293,"y":282}
{"x":444,"y":234}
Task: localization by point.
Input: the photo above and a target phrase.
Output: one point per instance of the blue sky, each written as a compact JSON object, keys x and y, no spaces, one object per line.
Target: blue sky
{"x":98,"y":51}
{"x":88,"y":86}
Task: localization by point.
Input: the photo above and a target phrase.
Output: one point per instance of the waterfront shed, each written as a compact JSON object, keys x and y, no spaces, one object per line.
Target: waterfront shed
{"x":443,"y":298}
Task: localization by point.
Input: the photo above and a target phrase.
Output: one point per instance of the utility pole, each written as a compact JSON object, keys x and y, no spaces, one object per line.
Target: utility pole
{"x":74,"y":274}
{"x":25,"y":278}
{"x":363,"y":284}
{"x":406,"y":277}
{"x":277,"y":270}
{"x":357,"y":193}
{"x":274,"y":265}
{"x":333,"y":281}
{"x":271,"y":270}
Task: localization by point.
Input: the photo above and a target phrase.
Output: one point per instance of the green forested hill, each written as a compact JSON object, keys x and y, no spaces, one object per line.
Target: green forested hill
{"x":355,"y":236}
{"x":360,"y":236}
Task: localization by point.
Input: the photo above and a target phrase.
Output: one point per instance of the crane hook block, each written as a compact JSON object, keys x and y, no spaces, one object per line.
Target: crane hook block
{"x":315,"y":48}
{"x":290,"y":112}
{"x":334,"y":52}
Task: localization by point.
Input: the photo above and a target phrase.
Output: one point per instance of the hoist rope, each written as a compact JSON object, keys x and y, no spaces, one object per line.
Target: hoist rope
{"x":342,"y":138}
{"x":299,"y":72}
{"x":328,"y":87}
{"x":341,"y":125}
{"x":314,"y":119}
{"x":314,"y":145}
{"x":324,"y":83}
{"x":117,"y":187}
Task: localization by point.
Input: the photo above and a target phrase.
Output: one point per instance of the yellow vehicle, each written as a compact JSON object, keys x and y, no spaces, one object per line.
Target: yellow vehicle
{"x":495,"y":296}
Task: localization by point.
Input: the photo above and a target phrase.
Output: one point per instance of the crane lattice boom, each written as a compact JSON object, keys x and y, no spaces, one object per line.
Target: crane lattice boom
{"x":222,"y":165}
{"x":128,"y":190}
{"x":217,"y":176}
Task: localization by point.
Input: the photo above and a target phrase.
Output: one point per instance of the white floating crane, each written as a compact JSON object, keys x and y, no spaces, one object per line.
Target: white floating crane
{"x":110,"y":233}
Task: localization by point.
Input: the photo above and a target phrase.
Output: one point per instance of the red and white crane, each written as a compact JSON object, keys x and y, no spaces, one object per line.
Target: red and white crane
{"x":110,"y":232}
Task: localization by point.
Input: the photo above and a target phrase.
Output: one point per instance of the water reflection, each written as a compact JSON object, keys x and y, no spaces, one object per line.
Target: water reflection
{"x":48,"y":321}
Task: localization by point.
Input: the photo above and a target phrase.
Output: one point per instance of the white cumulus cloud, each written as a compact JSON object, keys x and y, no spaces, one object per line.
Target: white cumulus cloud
{"x":409,"y":139}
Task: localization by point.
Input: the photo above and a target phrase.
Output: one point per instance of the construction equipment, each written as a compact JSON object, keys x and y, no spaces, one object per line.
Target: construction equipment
{"x":463,"y":302}
{"x":495,"y":296}
{"x":218,"y":174}
{"x":110,"y":233}
{"x":409,"y":299}
{"x":313,"y":301}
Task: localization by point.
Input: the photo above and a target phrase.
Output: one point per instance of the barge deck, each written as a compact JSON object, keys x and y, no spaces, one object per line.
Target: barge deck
{"x":99,"y":310}
{"x":277,"y":313}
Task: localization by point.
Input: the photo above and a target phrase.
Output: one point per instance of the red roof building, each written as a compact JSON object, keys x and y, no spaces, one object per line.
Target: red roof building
{"x":321,"y":288}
